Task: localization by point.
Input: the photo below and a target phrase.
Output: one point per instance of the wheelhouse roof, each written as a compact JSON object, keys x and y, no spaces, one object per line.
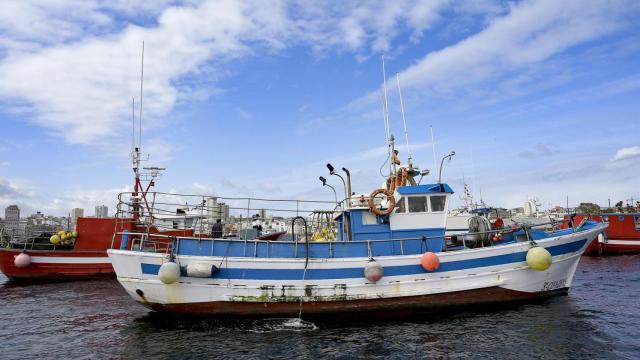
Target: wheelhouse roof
{"x":424,"y":189}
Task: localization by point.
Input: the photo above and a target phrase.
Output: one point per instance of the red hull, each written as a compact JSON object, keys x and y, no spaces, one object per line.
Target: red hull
{"x":56,"y":265}
{"x":622,"y":235}
{"x":88,"y":259}
{"x":381,"y":307}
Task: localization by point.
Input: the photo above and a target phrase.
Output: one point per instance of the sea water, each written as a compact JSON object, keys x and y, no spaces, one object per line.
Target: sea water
{"x":600,"y":318}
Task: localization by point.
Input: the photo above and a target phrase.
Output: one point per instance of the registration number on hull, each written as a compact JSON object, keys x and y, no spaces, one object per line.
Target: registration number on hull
{"x":552,"y":285}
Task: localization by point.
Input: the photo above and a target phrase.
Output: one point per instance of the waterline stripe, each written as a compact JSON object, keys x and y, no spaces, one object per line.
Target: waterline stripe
{"x":350,"y":273}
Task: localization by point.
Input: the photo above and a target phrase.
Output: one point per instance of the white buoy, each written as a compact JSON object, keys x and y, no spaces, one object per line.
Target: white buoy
{"x":169,"y":272}
{"x":373,"y":271}
{"x":539,"y":258}
{"x":601,"y":239}
{"x":22,"y":260}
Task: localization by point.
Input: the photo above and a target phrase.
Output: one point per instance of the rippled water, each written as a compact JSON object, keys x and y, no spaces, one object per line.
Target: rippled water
{"x":95,"y":319}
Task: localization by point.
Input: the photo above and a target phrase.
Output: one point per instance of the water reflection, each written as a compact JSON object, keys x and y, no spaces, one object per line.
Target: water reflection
{"x":552,"y":329}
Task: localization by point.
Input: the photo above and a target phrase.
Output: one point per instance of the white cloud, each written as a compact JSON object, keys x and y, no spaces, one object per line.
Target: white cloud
{"x":83,"y":89}
{"x":364,"y":27}
{"x":43,"y":23}
{"x":74,"y":66}
{"x":531,"y":33}
{"x":627,"y":153}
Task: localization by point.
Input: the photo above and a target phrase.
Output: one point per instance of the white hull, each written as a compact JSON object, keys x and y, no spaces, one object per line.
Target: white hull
{"x":491,"y":267}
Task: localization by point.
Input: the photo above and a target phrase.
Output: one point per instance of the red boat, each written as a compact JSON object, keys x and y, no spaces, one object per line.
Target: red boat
{"x":622,"y":236}
{"x":87,"y":258}
{"x":37,"y":258}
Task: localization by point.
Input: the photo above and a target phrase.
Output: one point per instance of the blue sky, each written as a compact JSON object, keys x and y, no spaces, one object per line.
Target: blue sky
{"x":537,"y":98}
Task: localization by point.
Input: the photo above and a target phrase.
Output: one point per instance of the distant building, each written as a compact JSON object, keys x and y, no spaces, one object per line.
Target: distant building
{"x":216,"y":210}
{"x":38,"y":223}
{"x":12,"y":217}
{"x":263,"y":213}
{"x":76,"y":213}
{"x":102,"y":211}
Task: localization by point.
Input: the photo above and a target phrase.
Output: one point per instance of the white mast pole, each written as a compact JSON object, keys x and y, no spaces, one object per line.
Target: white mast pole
{"x":404,"y":121}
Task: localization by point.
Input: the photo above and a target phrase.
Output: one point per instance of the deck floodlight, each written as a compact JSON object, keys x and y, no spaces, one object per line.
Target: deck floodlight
{"x":324,"y":183}
{"x":331,"y":169}
{"x":442,"y":162}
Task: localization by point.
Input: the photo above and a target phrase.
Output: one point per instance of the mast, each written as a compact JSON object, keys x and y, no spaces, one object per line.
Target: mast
{"x":135,"y":155}
{"x":386,"y":120}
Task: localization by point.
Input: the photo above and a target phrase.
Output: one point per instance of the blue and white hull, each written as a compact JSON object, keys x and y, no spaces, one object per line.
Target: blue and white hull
{"x":272,"y":286}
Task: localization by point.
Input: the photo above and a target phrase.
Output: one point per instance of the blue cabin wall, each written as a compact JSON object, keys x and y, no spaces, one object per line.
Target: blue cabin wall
{"x":317,"y":250}
{"x":382,"y":231}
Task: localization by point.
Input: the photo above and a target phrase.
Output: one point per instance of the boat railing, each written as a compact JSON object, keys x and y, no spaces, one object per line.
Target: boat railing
{"x":167,"y":244}
{"x":173,"y":211}
{"x":29,"y":239}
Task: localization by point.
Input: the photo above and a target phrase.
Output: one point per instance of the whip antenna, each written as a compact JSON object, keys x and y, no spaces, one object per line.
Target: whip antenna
{"x":404,"y":121}
{"x":386,"y":105}
{"x":133,"y":124}
{"x":141,"y":83}
{"x":433,"y":147}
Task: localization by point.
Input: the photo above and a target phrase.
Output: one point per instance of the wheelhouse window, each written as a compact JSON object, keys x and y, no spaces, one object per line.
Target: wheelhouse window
{"x":438,"y":202}
{"x":417,"y":204}
{"x":637,"y":220}
{"x":400,"y":206}
{"x":369,"y":218}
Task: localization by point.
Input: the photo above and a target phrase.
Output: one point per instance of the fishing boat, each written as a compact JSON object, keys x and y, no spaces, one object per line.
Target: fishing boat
{"x":383,"y":252}
{"x":389,"y":255}
{"x":621,"y":237}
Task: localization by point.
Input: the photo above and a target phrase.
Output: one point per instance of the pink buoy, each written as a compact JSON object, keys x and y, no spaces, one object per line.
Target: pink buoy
{"x":373,"y":271}
{"x":430,"y":261}
{"x":22,"y":260}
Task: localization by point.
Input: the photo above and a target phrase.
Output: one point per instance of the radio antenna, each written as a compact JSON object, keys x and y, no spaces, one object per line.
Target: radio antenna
{"x":133,"y":124}
{"x":141,"y":83}
{"x":433,"y":147}
{"x":386,"y":105}
{"x":404,"y":121}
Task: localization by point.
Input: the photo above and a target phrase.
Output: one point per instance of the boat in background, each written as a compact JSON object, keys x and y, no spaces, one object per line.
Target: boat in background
{"x":621,"y":237}
{"x":37,"y":259}
{"x":40,"y":257}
